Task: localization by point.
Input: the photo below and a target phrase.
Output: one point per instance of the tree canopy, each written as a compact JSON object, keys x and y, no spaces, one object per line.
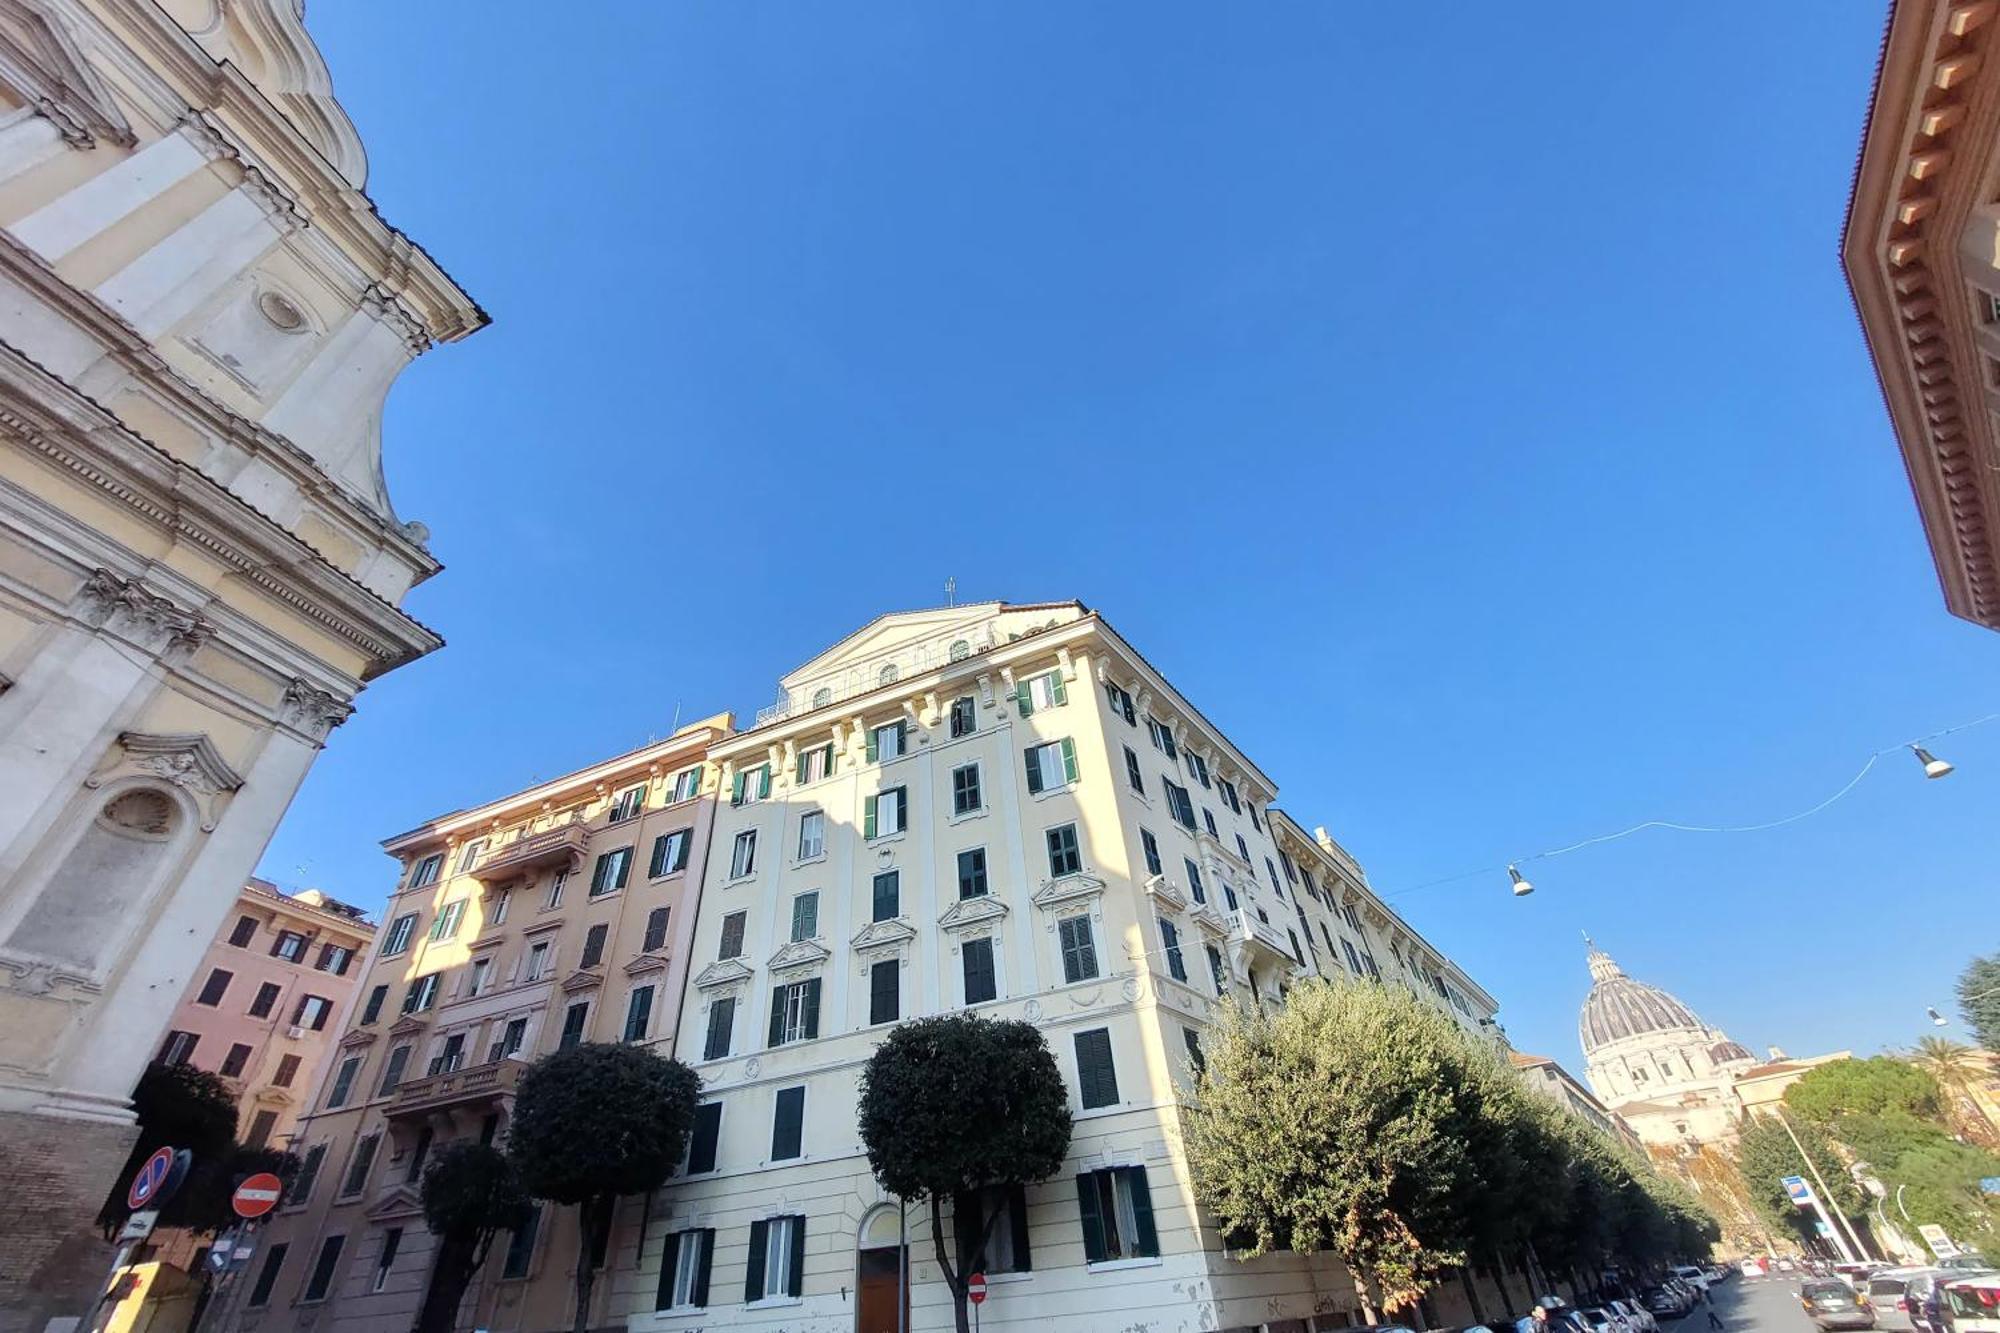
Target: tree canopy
{"x":1979,"y":999}
{"x":470,"y":1194}
{"x":179,"y":1106}
{"x":1879,"y":1085}
{"x":953,"y":1104}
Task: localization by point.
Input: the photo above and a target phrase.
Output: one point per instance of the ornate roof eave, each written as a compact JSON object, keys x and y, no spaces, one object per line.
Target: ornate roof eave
{"x":1936,"y":104}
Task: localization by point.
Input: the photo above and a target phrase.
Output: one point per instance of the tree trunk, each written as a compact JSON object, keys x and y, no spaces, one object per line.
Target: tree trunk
{"x":1472,"y":1294}
{"x":593,"y":1218}
{"x":1500,"y":1284}
{"x":451,"y":1273}
{"x":961,"y":1320}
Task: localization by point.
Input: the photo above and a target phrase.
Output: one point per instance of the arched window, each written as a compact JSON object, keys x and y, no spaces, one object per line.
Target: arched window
{"x":822,"y":696}
{"x":887,"y":675}
{"x":960,"y":650}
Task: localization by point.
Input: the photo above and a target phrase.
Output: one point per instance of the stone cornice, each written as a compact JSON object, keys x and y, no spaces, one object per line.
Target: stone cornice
{"x":1934,"y":116}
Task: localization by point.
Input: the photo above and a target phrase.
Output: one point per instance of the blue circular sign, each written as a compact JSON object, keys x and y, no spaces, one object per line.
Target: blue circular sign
{"x":147,"y":1181}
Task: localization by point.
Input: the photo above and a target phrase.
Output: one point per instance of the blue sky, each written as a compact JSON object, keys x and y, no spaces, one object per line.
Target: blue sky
{"x":1469,"y":415}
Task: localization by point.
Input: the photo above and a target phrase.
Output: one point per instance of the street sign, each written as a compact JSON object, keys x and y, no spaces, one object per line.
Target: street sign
{"x":1935,"y":1237}
{"x":1823,"y":1229}
{"x":218,"y":1254}
{"x":975,"y":1288}
{"x":257,"y":1195}
{"x":138,"y":1226}
{"x":1989,"y":1184}
{"x":1800,"y":1193}
{"x":150,"y":1179}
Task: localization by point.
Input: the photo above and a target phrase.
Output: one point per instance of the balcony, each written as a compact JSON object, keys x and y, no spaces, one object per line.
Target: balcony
{"x":1256,"y":938}
{"x":561,"y":846}
{"x":472,"y":1088}
{"x":1226,"y":854}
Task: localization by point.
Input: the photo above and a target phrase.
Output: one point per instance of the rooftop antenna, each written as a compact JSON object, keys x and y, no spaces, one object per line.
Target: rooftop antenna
{"x":951,"y":590}
{"x":677,"y":718}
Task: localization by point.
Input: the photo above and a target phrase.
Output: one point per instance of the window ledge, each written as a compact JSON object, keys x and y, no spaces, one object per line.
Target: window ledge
{"x":1045,"y":793}
{"x":734,"y":880}
{"x":881,"y":838}
{"x":1119,"y":1265}
{"x":969,"y":815}
{"x":809,"y":860}
{"x":671,"y":874}
{"x":779,"y":1302}
{"x":605,"y":896}
{"x":992,"y":1278}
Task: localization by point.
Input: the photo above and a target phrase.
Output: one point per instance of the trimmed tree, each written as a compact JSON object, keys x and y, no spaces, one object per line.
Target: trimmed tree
{"x":1879,"y":1085}
{"x":595,"y":1122}
{"x":471,"y":1194}
{"x":179,"y":1106}
{"x":952,"y":1106}
{"x":1979,"y":999}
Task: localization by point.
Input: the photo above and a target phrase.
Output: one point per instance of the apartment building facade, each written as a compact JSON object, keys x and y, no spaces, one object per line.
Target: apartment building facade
{"x":557,"y":915}
{"x":201,"y":316}
{"x":1004,"y":810}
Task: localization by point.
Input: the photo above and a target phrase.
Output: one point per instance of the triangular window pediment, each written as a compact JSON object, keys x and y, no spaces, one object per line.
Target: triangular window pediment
{"x":357,"y":1039}
{"x":581,"y":981}
{"x":798,"y":954}
{"x":1070,"y":888}
{"x":402,"y":1201}
{"x":877,"y":935}
{"x":44,"y":68}
{"x":969,"y":912}
{"x":723,"y":972}
{"x":644,"y":963}
{"x":408,"y":1026}
{"x":1166,"y":893}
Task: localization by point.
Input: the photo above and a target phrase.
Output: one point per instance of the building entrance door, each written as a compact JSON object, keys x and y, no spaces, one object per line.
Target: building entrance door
{"x":877,"y":1263}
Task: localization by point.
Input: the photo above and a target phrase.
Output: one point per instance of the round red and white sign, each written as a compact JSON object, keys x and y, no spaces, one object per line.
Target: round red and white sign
{"x":258,"y":1195}
{"x":975,"y":1288}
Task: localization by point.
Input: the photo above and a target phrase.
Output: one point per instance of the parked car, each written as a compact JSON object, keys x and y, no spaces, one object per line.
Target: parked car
{"x":1664,"y":1302}
{"x":1604,"y":1319}
{"x":1889,"y":1296}
{"x":1830,"y":1303}
{"x":1637,"y":1315}
{"x":1753,"y":1268}
{"x":1971,"y":1304}
{"x":1693,"y":1276}
{"x":1920,"y":1300}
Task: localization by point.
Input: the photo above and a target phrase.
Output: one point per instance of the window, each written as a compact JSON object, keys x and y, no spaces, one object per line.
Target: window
{"x":343,"y":1082}
{"x":656,"y":930}
{"x":1163,"y":737}
{"x":479,"y":980}
{"x":702,"y":1139}
{"x":446,"y":925}
{"x":1197,"y":768}
{"x":1254,"y":822}
{"x":805,"y":916}
{"x":1297,"y":955}
{"x":312,"y":1012}
{"x":751,"y":785}
{"x":972,"y":873}
{"x":687,"y":784}
{"x":421,"y":995}
{"x":538,"y":961}
{"x":334,"y":958}
{"x":1193,"y":1041}
{"x":638,"y":1013}
{"x":1215,"y":971}
{"x":815,"y":765}
{"x":359,"y":1165}
{"x":392,"y":1240}
{"x":887,"y":675}
{"x":743,"y":855}
{"x":290,"y":946}
{"x":980,"y":984}
{"x":670,"y":853}
{"x":1079,"y":951}
{"x":1150,"y":846}
{"x":788,"y":1122}
{"x":1194,"y":879}
{"x":557,"y":882}
{"x":1170,"y":944}
{"x":574,"y":1019}
{"x":812,"y":834}
{"x":1228,"y":895}
{"x":427,"y":871}
{"x":1000,"y":1214}
{"x":1291,"y":871}
{"x":684,"y":1267}
{"x":392,"y":1072}
{"x":1065,"y":857}
{"x":512,"y":1038}
{"x":795,"y":1012}
{"x":965,"y":789}
{"x":245,"y":931}
{"x":212,"y":989}
{"x":1121,"y":703}
{"x":593,"y":945}
{"x":885,"y":814}
{"x":1353,"y":959}
{"x":888,"y":741}
{"x":1228,"y":790}
{"x":1242,"y":847}
{"x":301,"y":1191}
{"x":267,"y":1276}
{"x":1179,"y":806}
{"x":1043,"y":691}
{"x":888,"y":896}
{"x":1096,"y":1080}
{"x":178,"y":1048}
{"x":1133,"y":777}
{"x":232,"y":1063}
{"x":1208,"y":822}
{"x":420,"y":1151}
{"x":777,"y":1254}
{"x":1052,"y":765}
{"x":288,"y":1069}
{"x":398,"y":938}
{"x":521,"y":1246}
{"x":1117,"y":1211}
{"x":609,"y":874}
{"x":721,"y":1027}
{"x":732,"y":935}
{"x":964,"y":717}
{"x":468,"y":856}
{"x":885,"y":991}
{"x":629,"y":803}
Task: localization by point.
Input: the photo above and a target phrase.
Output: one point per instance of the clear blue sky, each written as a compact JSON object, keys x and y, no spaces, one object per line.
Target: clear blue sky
{"x":1468,"y":414}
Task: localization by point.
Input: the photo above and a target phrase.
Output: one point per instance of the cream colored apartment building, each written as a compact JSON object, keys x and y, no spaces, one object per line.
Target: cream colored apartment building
{"x":201,"y":314}
{"x":560,"y":914}
{"x":1007,"y":810}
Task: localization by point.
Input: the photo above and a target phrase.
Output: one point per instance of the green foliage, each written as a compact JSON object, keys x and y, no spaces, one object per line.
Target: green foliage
{"x":1939,"y":1175}
{"x":470,"y":1192}
{"x":952,"y":1104}
{"x":202,"y":1204}
{"x":1879,"y":1085}
{"x":178,"y":1106}
{"x":1979,"y":999}
{"x":1764,"y":1156}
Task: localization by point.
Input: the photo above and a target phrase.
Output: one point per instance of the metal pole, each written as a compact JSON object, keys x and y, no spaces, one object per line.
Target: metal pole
{"x":1823,"y":1197}
{"x":903,"y":1266}
{"x":110,"y":1282}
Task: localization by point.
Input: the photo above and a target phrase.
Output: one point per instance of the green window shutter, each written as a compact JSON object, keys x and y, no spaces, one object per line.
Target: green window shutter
{"x":868,"y":817}
{"x":1087,"y":1209}
{"x":658,"y":866}
{"x":874,"y":747}
{"x":1142,"y":1211}
{"x":736,"y":791}
{"x":812,"y":1008}
{"x":764,"y":783}
{"x":706,"y":1239}
{"x":1056,"y":689}
{"x":1034,"y":770}
{"x":1023,"y":699}
{"x":902,"y":738}
{"x":777,"y":1015}
{"x":795,"y":1279}
{"x":1069,"y":759}
{"x":669,"y":1261}
{"x":799,"y":775}
{"x":625,"y":866}
{"x":753,"y":1281}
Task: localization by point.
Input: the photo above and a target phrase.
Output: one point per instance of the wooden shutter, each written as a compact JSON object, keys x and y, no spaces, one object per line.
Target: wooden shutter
{"x":593,"y":946}
{"x":777,"y":1016}
{"x":1097,"y":1081}
{"x":795,"y":1278}
{"x":623,"y":857}
{"x":884,"y":991}
{"x":736,"y":790}
{"x":799,"y":775}
{"x":1069,"y":759}
{"x":658,"y":866}
{"x":764,"y":782}
{"x":1147,"y":1242}
{"x":874,"y":747}
{"x":1034,"y":763}
{"x":1093,"y":1219}
{"x":706,"y":1238}
{"x":656,"y":928}
{"x":978,"y":955}
{"x":753,"y":1279}
{"x":868,"y":816}
{"x":1024,"y":698}
{"x":638,"y":1013}
{"x":788,"y":1124}
{"x":721,"y":1017}
{"x":1017,"y":1219}
{"x":669,"y":1262}
{"x":1056,"y":690}
{"x":707,"y":1129}
{"x":812,"y":1008}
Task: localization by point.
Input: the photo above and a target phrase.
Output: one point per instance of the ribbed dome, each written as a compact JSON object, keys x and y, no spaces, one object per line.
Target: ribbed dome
{"x":1619,"y":1007}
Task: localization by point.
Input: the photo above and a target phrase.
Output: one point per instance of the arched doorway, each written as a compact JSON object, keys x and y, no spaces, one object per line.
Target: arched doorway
{"x":878,"y":1261}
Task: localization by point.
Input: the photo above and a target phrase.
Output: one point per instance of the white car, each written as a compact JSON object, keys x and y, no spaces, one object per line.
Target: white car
{"x":1638,"y":1316}
{"x":1753,"y":1268}
{"x":1603,"y":1319}
{"x":1693,"y":1276}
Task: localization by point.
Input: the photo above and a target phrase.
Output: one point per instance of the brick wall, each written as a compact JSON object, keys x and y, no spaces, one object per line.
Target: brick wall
{"x":53,"y":1176}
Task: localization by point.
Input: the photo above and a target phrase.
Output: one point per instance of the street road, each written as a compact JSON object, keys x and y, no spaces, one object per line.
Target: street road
{"x":1752,"y":1305}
